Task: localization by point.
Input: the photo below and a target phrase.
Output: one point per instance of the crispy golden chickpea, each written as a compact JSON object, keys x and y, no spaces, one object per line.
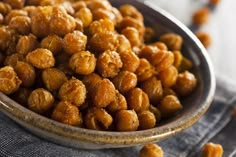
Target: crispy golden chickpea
{"x":156,"y":112}
{"x":5,"y":8}
{"x":103,"y":93}
{"x":168,"y":76}
{"x":41,"y":58}
{"x":10,"y":82}
{"x":26,"y":73}
{"x":201,"y":16}
{"x":90,"y":81}
{"x":109,"y":64}
{"x":147,"y":120}
{"x":137,"y":100}
{"x":53,"y":78}
{"x":117,"y":14}
{"x":178,"y":57}
{"x":85,"y":15}
{"x":169,"y":106}
{"x":103,"y":14}
{"x":131,"y":11}
{"x":205,"y":38}
{"x":185,"y":84}
{"x":61,"y":23}
{"x":118,"y":104}
{"x":14,"y":13}
{"x":126,"y":120}
{"x":124,"y":44}
{"x":13,"y":59}
{"x":160,"y":45}
{"x":214,"y":2}
{"x":98,"y":119}
{"x":132,"y":35}
{"x":149,"y":35}
{"x":21,"y":96}
{"x":7,"y":34}
{"x":151,"y":150}
{"x":83,"y":62}
{"x":22,"y":24}
{"x":153,"y":88}
{"x":79,"y":25}
{"x":40,"y":101}
{"x":67,"y":113}
{"x":212,"y":150}
{"x":96,"y":43}
{"x":130,"y":61}
{"x":74,"y":42}
{"x":145,"y":70}
{"x":100,"y":26}
{"x":73,"y":91}
{"x":53,"y":43}
{"x":148,"y":51}
{"x":16,"y":4}
{"x":172,"y":41}
{"x":98,"y":4}
{"x":30,"y":10}
{"x":186,"y":64}
{"x":26,"y":44}
{"x":125,"y":81}
{"x":67,"y":5}
{"x":168,"y":91}
{"x":79,"y":5}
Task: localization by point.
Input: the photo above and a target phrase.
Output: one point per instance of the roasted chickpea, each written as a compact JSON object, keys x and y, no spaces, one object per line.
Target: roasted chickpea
{"x":22,"y":24}
{"x":185,"y":84}
{"x":156,"y":112}
{"x":13,"y":59}
{"x":27,"y":44}
{"x":132,"y":35}
{"x":7,"y":35}
{"x":131,"y":11}
{"x":98,"y":4}
{"x":5,"y":8}
{"x":100,"y":26}
{"x":79,"y":25}
{"x":168,"y":76}
{"x":16,"y":4}
{"x":14,"y":13}
{"x":137,"y":100}
{"x":160,"y":45}
{"x":109,"y":64}
{"x":201,"y":16}
{"x":172,"y":41}
{"x":67,"y":5}
{"x":130,"y":61}
{"x":148,"y":51}
{"x":124,"y":44}
{"x":104,"y":14}
{"x":178,"y":57}
{"x":119,"y":103}
{"x":40,"y":101}
{"x":169,"y":106}
{"x":85,"y":15}
{"x":103,"y":93}
{"x":212,"y":150}
{"x":41,"y":58}
{"x":53,"y":78}
{"x":151,"y":150}
{"x":67,"y":113}
{"x":96,"y":43}
{"x":21,"y":96}
{"x":117,"y":14}
{"x":149,"y":35}
{"x":153,"y":88}
{"x":9,"y":80}
{"x":147,"y":120}
{"x":145,"y":70}
{"x":61,"y":23}
{"x":73,"y":91}
{"x":168,"y":91}
{"x":30,"y":10}
{"x":53,"y":43}
{"x":79,"y":5}
{"x":214,"y":2}
{"x":98,"y":119}
{"x":126,"y":120}
{"x":91,"y":80}
{"x":186,"y":64}
{"x":83,"y":62}
{"x":74,"y":42}
{"x":26,"y":73}
{"x":204,"y":38}
{"x":125,"y":81}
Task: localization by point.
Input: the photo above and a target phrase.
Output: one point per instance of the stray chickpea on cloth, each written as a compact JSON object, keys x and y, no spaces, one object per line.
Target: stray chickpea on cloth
{"x":212,"y":150}
{"x":151,"y":150}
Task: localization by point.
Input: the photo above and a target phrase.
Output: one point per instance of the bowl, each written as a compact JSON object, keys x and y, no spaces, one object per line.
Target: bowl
{"x":194,"y":106}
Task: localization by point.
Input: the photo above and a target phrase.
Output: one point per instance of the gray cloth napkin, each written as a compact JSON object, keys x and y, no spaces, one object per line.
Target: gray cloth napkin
{"x":217,"y":125}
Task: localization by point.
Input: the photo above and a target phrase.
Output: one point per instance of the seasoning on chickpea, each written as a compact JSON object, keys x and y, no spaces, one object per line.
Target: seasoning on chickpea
{"x":151,"y":150}
{"x":212,"y":149}
{"x":126,"y":120}
{"x":53,"y":43}
{"x":147,"y":120}
{"x":201,"y":16}
{"x":205,"y":38}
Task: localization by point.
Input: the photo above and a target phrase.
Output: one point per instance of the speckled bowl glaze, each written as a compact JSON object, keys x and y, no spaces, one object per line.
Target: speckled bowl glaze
{"x":194,"y":106}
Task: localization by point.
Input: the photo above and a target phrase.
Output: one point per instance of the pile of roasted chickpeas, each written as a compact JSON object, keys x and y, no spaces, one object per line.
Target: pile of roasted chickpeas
{"x":89,"y":64}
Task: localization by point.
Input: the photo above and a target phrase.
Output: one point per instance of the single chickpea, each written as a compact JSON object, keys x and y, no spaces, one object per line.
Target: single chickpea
{"x":156,"y":112}
{"x":41,"y":58}
{"x":14,"y":13}
{"x":109,"y":64}
{"x":169,"y":106}
{"x":103,"y":93}
{"x":153,"y":88}
{"x":119,"y":103}
{"x":132,"y":35}
{"x":98,"y":4}
{"x":137,"y":100}
{"x":125,"y":81}
{"x":168,"y":76}
{"x":178,"y":57}
{"x":53,"y":78}
{"x":85,"y":15}
{"x":10,"y":82}
{"x":172,"y":41}
{"x":151,"y":150}
{"x":126,"y":120}
{"x":205,"y":38}
{"x":27,"y":44}
{"x":124,"y":44}
{"x":40,"y":101}
{"x":5,"y":8}
{"x":131,"y":11}
{"x":15,"y":4}
{"x":53,"y":43}
{"x":74,"y":42}
{"x":214,"y":2}
{"x":7,"y":35}
{"x":100,"y":26}
{"x":145,"y":70}
{"x":30,"y":10}
{"x":148,"y":51}
{"x":79,"y":25}
{"x":90,"y":81}
{"x":99,"y":14}
{"x":98,"y":119}
{"x":26,"y":73}
{"x":212,"y":150}
{"x":147,"y":120}
{"x":67,"y":113}
{"x":186,"y":64}
{"x":117,"y":14}
{"x":149,"y":35}
{"x":130,"y":61}
{"x":22,"y":24}
{"x":160,"y":45}
{"x":73,"y":91}
{"x":168,"y":91}
{"x":201,"y":16}
{"x":13,"y":59}
{"x":79,"y":5}
{"x":185,"y":84}
{"x":21,"y":96}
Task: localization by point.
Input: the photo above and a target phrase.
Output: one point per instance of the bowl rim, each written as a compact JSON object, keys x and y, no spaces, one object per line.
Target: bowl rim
{"x":16,"y":111}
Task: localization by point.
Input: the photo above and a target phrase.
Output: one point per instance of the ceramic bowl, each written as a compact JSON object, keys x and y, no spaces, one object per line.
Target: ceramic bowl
{"x":194,"y":106}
